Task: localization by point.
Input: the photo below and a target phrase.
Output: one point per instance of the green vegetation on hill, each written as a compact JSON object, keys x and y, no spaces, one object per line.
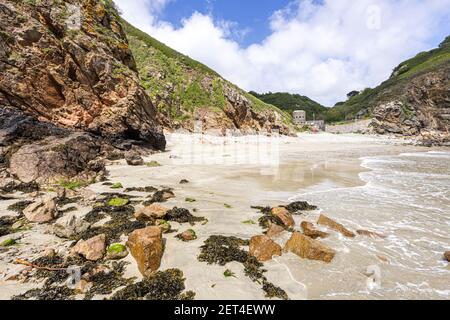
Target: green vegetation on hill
{"x":290,"y":102}
{"x":360,"y":105}
{"x":179,"y":85}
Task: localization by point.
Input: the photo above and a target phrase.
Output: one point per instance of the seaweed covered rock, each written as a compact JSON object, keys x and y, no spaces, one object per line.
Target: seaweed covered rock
{"x":41,"y":211}
{"x":297,"y":206}
{"x":284,"y":215}
{"x":308,"y":248}
{"x":146,"y":246}
{"x":92,"y":249}
{"x":153,"y":211}
{"x":162,"y":285}
{"x":263,"y":248}
{"x":116,"y":251}
{"x":182,"y":215}
{"x":188,"y":235}
{"x":310,"y":231}
{"x":327,"y":222}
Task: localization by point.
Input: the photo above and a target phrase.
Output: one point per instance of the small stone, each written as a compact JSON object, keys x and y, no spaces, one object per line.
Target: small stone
{"x":92,"y":249}
{"x":327,"y":222}
{"x":188,"y":235}
{"x":447,"y":256}
{"x":284,"y":215}
{"x":116,"y":251}
{"x":263,"y":248}
{"x":164,"y":225}
{"x":134,"y":159}
{"x":41,"y":211}
{"x":310,"y":231}
{"x":308,"y":248}
{"x":146,"y":246}
{"x":49,"y":253}
{"x":184,"y":181}
{"x":83,"y":286}
{"x":153,"y":211}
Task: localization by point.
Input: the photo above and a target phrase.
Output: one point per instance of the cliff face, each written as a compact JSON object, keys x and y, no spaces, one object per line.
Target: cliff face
{"x":68,"y":63}
{"x":190,"y":95}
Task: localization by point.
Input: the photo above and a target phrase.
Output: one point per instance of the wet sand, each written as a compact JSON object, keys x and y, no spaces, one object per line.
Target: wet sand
{"x":226,"y":182}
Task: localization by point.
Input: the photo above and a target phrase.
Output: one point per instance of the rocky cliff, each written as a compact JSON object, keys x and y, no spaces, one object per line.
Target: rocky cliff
{"x":190,"y":95}
{"x":69,"y":89}
{"x":413,"y":102}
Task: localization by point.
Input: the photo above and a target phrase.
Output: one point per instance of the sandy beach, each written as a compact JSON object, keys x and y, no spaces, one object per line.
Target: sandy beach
{"x":226,"y":178}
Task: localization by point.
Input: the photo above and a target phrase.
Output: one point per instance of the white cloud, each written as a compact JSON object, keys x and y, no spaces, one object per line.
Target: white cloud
{"x":319,"y":50}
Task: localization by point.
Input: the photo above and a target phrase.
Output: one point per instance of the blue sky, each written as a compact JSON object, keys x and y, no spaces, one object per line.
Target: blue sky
{"x":251,"y":16}
{"x":319,"y":48}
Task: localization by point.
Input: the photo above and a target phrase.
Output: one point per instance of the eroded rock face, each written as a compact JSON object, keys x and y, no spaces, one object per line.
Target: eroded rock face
{"x":284,"y":215}
{"x":327,"y":222}
{"x":81,"y":77}
{"x":41,"y":211}
{"x":263,"y":248}
{"x":308,"y":248}
{"x":146,"y":247}
{"x":92,"y":249}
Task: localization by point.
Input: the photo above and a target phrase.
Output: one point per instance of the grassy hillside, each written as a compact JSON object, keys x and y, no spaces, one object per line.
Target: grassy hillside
{"x":360,"y":105}
{"x":180,"y":85}
{"x":290,"y":102}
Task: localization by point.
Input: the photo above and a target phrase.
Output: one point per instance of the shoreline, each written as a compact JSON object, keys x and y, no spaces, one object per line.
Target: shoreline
{"x":223,"y":194}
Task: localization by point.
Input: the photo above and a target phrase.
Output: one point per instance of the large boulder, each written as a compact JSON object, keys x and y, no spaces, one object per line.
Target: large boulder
{"x":327,"y":222}
{"x":41,"y":211}
{"x":284,"y":215}
{"x":308,"y":248}
{"x":263,"y":248}
{"x":146,"y":246}
{"x":92,"y":249}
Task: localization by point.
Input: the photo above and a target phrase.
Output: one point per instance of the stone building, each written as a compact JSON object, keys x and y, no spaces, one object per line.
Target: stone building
{"x":299,"y":117}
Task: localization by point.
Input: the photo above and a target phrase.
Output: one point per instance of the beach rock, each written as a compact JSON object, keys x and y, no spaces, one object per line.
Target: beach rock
{"x":146,"y":246}
{"x":284,"y":215}
{"x":274,"y":230}
{"x":370,"y":234}
{"x":308,"y":248}
{"x":153,"y":211}
{"x":188,"y":235}
{"x":164,"y":225}
{"x":69,"y":226}
{"x":447,"y":256}
{"x":116,"y":251}
{"x":83,"y":286}
{"x":184,"y":181}
{"x":263,"y":248}
{"x":41,"y":211}
{"x":134,"y":159}
{"x":92,"y":249}
{"x":327,"y":222}
{"x":310,"y":231}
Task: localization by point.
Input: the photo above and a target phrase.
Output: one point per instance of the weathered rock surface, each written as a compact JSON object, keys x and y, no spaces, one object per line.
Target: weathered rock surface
{"x":284,"y":215}
{"x":264,"y":248}
{"x":274,"y":230}
{"x":308,"y":248}
{"x":92,"y":249}
{"x":41,"y":211}
{"x":75,"y":76}
{"x":69,"y":225}
{"x":188,"y":235}
{"x":153,"y":211}
{"x":146,"y":246}
{"x":310,"y":231}
{"x":327,"y":222}
{"x":134,"y":159}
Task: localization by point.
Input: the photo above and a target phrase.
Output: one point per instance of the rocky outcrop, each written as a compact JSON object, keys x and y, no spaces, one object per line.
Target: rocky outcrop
{"x":310,"y":231}
{"x":68,"y":63}
{"x":333,"y":225}
{"x":146,"y":246}
{"x":308,"y":248}
{"x":263,"y":248}
{"x":284,"y":215}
